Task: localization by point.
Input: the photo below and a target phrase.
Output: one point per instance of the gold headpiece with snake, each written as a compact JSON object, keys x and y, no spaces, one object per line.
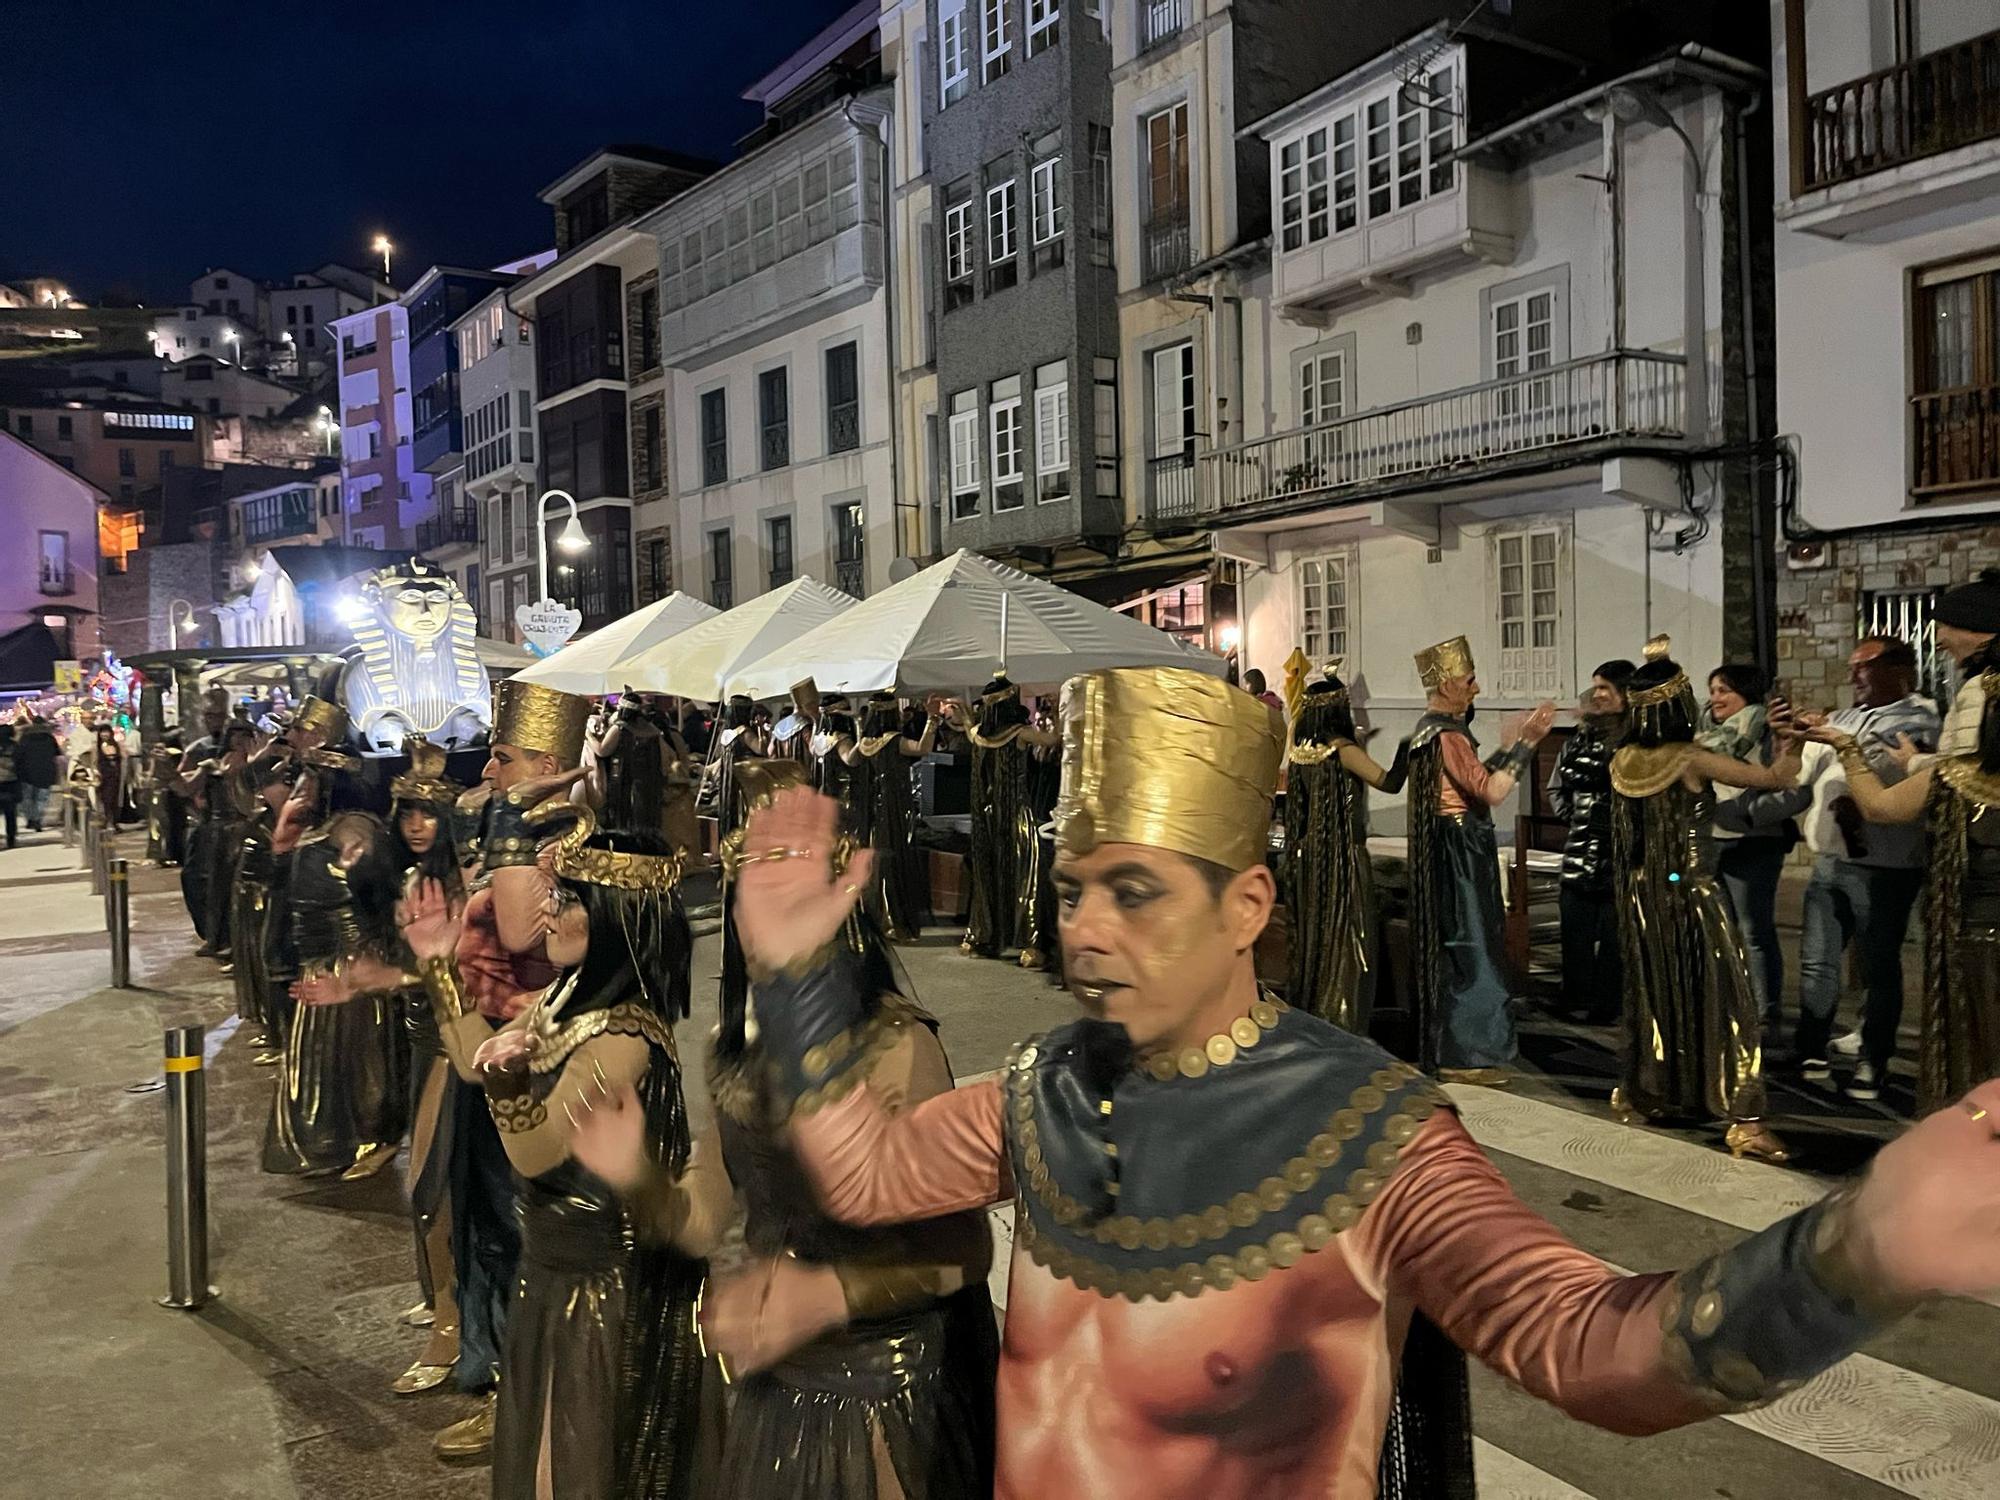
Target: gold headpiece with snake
{"x":575,"y":860}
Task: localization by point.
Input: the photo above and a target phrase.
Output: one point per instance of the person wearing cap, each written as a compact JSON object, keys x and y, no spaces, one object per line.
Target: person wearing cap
{"x":1463,"y":1029}
{"x":1240,"y":1230}
{"x":1955,"y":789}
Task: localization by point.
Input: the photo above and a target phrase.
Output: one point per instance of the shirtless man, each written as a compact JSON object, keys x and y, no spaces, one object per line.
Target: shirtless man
{"x":1229,"y":1214}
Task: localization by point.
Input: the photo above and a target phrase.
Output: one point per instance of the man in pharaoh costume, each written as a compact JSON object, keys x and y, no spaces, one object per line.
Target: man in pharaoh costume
{"x":882,"y":813}
{"x":1235,"y":1224}
{"x":1463,"y":1030}
{"x":791,"y":736}
{"x":1956,"y":792}
{"x":603,"y":1387}
{"x":1693,"y":1027}
{"x":1329,"y":883}
{"x":416,"y":668}
{"x":1005,"y":866}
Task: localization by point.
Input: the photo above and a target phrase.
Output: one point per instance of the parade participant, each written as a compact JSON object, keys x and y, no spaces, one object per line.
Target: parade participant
{"x":1005,"y":863}
{"x":251,"y":912}
{"x":10,"y":785}
{"x":882,"y":813}
{"x":1692,"y":1027}
{"x":225,"y":790}
{"x":737,"y":738}
{"x":893,"y":1355}
{"x":602,"y":1395}
{"x":1580,"y":794}
{"x":791,"y":736}
{"x":1215,"y":1258}
{"x":1329,"y":882}
{"x":831,"y":744}
{"x":1750,"y":853}
{"x":1464,"y":1032}
{"x":644,"y":774}
{"x":197,"y":857}
{"x":343,"y":1088}
{"x":1953,"y":790}
{"x":166,"y":804}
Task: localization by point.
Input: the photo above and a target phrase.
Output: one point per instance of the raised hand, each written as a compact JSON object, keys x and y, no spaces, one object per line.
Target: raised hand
{"x":755,"y":1318}
{"x":609,"y":1139}
{"x":430,"y":924}
{"x":789,"y":901}
{"x":504,"y":1052}
{"x":1926,"y":1218}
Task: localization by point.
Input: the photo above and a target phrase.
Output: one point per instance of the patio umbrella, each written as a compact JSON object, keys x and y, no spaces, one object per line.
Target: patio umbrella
{"x":703,"y":662}
{"x":599,"y":663}
{"x":958,"y":622}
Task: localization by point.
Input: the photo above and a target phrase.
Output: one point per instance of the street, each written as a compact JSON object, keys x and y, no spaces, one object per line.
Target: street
{"x":279,"y":1387}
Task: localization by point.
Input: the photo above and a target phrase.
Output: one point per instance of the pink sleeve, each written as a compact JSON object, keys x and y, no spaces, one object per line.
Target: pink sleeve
{"x":1448,"y":1234}
{"x":945,"y":1154}
{"x":1462,"y":767}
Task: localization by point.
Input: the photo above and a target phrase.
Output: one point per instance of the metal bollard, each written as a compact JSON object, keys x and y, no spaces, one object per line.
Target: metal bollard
{"x":118,"y":921}
{"x":86,"y":833}
{"x":187,"y":1170}
{"x":100,"y":852}
{"x":69,"y":810}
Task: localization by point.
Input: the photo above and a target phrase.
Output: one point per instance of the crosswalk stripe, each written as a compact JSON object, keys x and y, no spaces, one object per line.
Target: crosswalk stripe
{"x":1502,"y":1476}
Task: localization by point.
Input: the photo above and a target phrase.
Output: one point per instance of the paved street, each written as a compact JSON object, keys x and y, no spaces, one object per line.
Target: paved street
{"x":280,"y":1388}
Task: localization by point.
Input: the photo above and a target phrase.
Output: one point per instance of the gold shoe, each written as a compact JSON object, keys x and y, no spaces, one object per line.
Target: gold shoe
{"x":1031,"y":958}
{"x":1752,"y":1139}
{"x":965,"y":946}
{"x":420,"y":1316}
{"x":470,"y":1441}
{"x":1485,"y":1078}
{"x":268,"y":1059}
{"x":420,"y":1377}
{"x":1622,"y":1110}
{"x":371,"y":1161}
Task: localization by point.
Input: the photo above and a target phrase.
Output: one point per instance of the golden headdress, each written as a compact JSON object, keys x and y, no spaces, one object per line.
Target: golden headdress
{"x":1170,"y":758}
{"x":1659,"y":648}
{"x":575,"y":860}
{"x":1663,"y":710}
{"x":425,"y":781}
{"x":540,"y":719}
{"x":316,"y":714}
{"x":1439,"y":664}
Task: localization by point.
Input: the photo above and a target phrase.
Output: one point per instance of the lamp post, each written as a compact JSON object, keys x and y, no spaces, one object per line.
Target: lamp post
{"x":326,"y":425}
{"x":180,"y":615}
{"x":571,"y":540}
{"x":382,"y":247}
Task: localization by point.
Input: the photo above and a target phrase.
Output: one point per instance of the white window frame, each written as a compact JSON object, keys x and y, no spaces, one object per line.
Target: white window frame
{"x":963,"y":432}
{"x":996,"y":43}
{"x":1187,"y":401}
{"x":1042,"y":18}
{"x":1005,"y":414}
{"x":1325,"y":604}
{"x":1527,"y":570}
{"x":958,"y":240}
{"x":1003,"y":237}
{"x":1304,"y":209}
{"x":1512,"y":325}
{"x":1370,"y":136}
{"x":954,"y":57}
{"x":1045,"y":206}
{"x":1313,"y":387}
{"x":1052,"y":439}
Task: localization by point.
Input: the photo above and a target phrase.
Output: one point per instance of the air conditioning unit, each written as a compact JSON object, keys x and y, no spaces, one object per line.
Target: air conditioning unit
{"x":1801,"y":556}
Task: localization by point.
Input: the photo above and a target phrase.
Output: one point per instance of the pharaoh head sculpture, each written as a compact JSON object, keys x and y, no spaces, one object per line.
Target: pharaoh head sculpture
{"x":418,"y":670}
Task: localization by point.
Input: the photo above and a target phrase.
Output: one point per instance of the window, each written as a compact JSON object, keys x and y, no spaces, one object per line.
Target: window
{"x":1100,"y":195}
{"x":958,"y":241}
{"x":714,"y":437}
{"x":128,"y":463}
{"x":1004,"y":428}
{"x":721,"y":570}
{"x":1956,"y":369}
{"x":843,"y":399}
{"x":312,"y":337}
{"x":648,"y":317}
{"x":954,"y":63}
{"x":1526,"y":568}
{"x":1441,"y":137}
{"x":65,"y":427}
{"x":1323,"y":628}
{"x":1044,"y":25}
{"x":1001,"y":238}
{"x":1104,"y":425}
{"x":778,"y":545}
{"x":54,"y":562}
{"x":1302,"y":189}
{"x":1159,"y":20}
{"x":1523,"y":339}
{"x":1167,"y":164}
{"x":222,"y":283}
{"x":166,"y":459}
{"x":291,"y":315}
{"x":964,"y":455}
{"x":1408,"y":134}
{"x":659,"y":568}
{"x":1173,"y":400}
{"x":1045,"y":200}
{"x":774,"y":419}
{"x":996,"y":45}
{"x":1322,"y":388}
{"x":649,"y":448}
{"x":849,"y":574}
{"x":1052,"y":431}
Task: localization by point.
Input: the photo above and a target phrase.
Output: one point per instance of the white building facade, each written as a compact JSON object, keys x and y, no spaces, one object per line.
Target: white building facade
{"x":1886,"y":125}
{"x":496,"y":373}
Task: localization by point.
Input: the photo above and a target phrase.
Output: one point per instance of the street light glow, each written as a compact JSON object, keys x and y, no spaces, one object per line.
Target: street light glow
{"x":572,"y":538}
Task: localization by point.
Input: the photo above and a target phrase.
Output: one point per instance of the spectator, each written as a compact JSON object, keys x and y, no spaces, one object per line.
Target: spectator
{"x":1866,"y":876}
{"x":1253,"y":684}
{"x":1751,"y":855}
{"x":1580,"y":792}
{"x":10,"y":787}
{"x":36,"y":767}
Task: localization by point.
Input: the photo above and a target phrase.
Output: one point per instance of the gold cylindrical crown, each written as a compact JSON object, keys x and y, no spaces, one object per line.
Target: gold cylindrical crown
{"x":1170,"y":758}
{"x":1447,"y":659}
{"x":540,"y":719}
{"x":316,"y":713}
{"x":425,"y":781}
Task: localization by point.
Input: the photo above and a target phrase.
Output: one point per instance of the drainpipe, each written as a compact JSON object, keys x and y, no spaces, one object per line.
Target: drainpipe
{"x":1763,"y":607}
{"x":890,"y":289}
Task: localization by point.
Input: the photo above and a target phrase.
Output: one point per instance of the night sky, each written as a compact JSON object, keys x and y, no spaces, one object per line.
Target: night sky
{"x":143,"y":142}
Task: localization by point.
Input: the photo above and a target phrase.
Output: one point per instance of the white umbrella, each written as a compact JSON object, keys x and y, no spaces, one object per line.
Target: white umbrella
{"x":500,"y":656}
{"x":957,"y":623}
{"x":703,"y":662}
{"x":600,"y":662}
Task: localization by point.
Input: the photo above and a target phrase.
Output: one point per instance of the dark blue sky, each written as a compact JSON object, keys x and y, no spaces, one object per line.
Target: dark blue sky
{"x":142,"y":142}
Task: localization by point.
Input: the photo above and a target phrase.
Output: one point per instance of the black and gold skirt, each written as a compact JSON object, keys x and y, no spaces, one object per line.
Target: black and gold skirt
{"x":344,"y":1087}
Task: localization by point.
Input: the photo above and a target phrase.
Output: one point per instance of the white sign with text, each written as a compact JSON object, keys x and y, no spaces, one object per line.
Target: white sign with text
{"x":546,"y":625}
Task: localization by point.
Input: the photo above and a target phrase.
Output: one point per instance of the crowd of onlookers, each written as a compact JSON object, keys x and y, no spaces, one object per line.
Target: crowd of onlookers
{"x":1864,"y":881}
{"x":33,"y":763}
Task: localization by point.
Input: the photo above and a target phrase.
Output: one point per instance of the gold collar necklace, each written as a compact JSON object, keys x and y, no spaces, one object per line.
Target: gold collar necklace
{"x":1219,"y":1050}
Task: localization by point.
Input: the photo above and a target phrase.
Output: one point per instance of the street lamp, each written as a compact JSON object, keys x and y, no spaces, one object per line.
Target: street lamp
{"x":326,"y":425}
{"x":232,"y":336}
{"x":180,"y":616}
{"x":382,"y":247}
{"x":571,"y":540}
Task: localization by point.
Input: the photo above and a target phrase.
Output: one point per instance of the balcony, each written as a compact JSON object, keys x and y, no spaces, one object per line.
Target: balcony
{"x":1493,"y":427}
{"x":1170,"y":489}
{"x":1924,"y":107}
{"x":455,"y":528}
{"x":1164,"y":248}
{"x":1957,"y":446}
{"x":1160,"y":21}
{"x":849,"y":578}
{"x":843,"y":427}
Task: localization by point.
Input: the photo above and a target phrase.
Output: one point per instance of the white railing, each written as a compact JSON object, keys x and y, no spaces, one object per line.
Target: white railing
{"x":1632,"y":393}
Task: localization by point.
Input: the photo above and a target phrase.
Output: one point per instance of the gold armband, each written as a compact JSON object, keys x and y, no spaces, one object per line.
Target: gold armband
{"x":1853,"y":762}
{"x":440,"y":979}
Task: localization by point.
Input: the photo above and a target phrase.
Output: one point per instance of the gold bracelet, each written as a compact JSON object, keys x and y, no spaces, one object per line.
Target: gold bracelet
{"x":440,"y":977}
{"x":1853,"y":762}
